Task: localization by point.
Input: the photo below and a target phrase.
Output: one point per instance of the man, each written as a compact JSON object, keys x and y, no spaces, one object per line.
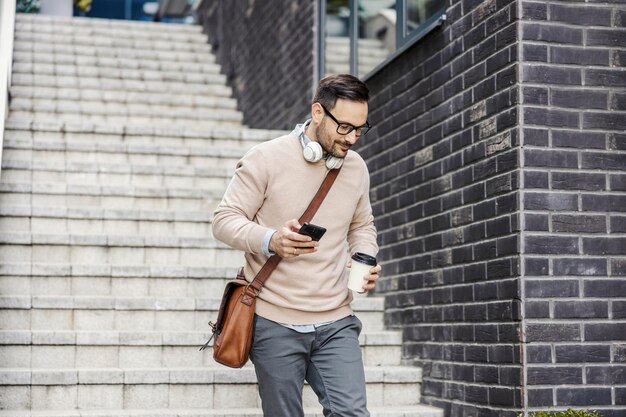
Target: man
{"x":304,"y":326}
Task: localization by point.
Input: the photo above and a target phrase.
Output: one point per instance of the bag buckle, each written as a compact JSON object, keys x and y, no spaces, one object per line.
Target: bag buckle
{"x":256,"y":292}
{"x":214,"y":330}
{"x":249,"y":298}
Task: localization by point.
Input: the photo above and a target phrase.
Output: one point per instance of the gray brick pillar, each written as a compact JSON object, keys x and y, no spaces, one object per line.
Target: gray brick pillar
{"x":498,"y":180}
{"x":444,"y":159}
{"x":573,"y":97}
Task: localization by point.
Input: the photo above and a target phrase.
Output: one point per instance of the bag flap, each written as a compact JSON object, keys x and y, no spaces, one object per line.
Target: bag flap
{"x":228,"y":290}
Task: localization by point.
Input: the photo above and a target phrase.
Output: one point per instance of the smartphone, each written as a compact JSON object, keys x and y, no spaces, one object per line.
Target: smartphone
{"x":316,"y":232}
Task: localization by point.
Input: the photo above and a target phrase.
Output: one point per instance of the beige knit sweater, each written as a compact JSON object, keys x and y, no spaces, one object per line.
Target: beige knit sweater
{"x":273,"y":184}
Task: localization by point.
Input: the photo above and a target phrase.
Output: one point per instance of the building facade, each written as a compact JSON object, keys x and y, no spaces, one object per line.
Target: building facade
{"x":498,"y":167}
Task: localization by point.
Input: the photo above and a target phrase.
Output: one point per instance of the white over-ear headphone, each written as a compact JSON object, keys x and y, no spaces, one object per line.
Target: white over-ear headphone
{"x":312,"y":151}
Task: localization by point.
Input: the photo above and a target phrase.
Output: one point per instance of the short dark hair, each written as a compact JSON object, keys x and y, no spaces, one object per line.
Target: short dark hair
{"x":344,"y":86}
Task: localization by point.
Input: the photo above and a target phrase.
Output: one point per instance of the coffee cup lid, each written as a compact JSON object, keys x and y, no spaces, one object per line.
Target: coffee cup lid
{"x":364,"y":258}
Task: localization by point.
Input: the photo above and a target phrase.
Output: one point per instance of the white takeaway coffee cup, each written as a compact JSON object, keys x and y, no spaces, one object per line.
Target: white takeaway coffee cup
{"x":361,"y":265}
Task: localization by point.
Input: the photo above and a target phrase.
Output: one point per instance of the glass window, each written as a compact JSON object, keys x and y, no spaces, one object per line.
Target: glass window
{"x":377,"y":33}
{"x":420,"y":13}
{"x":359,"y":35}
{"x":337,"y":37}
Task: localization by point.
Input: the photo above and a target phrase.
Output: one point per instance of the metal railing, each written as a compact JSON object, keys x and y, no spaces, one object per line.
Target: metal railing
{"x":7,"y":33}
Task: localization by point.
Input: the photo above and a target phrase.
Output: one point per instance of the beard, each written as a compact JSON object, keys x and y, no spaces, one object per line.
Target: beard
{"x":330,"y":146}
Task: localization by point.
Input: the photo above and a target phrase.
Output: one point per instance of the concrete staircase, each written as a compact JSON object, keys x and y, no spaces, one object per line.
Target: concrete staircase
{"x":120,"y":141}
{"x":372,"y":52}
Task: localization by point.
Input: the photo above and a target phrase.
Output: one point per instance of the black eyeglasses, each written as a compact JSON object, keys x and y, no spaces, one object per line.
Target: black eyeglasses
{"x":346,"y":128}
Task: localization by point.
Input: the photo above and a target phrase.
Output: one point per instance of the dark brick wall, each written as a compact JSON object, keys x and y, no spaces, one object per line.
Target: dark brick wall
{"x":444,"y":161}
{"x":266,"y":49}
{"x":498,"y":163}
{"x":573,"y":114}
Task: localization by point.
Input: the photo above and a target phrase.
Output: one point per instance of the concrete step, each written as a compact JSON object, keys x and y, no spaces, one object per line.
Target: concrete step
{"x":177,"y":387}
{"x":117,"y":84}
{"x":122,"y":97}
{"x":145,"y":349}
{"x":37,"y":225}
{"x":116,"y":250}
{"x":198,"y":135}
{"x":59,"y":58}
{"x":203,"y":56}
{"x":67,"y":23}
{"x":386,"y":411}
{"x":344,"y":67}
{"x":14,"y":170}
{"x":97,"y":173}
{"x":125,"y":241}
{"x":108,"y":197}
{"x":213,"y":118}
{"x":94,"y":110}
{"x":366,"y":56}
{"x":119,"y":158}
{"x":369,"y":50}
{"x":90,"y":37}
{"x":371,"y":53}
{"x":68,"y":117}
{"x":41,"y":219}
{"x":342,"y":41}
{"x":127,"y":313}
{"x":85,"y":70}
{"x":45,"y":279}
{"x":99,"y":280}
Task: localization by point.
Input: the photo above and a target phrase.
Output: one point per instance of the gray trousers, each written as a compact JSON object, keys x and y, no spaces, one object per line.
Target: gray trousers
{"x":329,"y":359}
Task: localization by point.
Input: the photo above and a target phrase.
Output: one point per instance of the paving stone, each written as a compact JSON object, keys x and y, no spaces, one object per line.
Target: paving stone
{"x":15,"y":356}
{"x":54,"y":377}
{"x":39,"y":269}
{"x":15,"y":302}
{"x":15,"y":377}
{"x":45,"y":337}
{"x":200,"y":395}
{"x":141,"y":339}
{"x":48,"y":357}
{"x":15,"y":269}
{"x":100,"y":396}
{"x":96,"y":303}
{"x":97,"y":338}
{"x":15,"y":337}
{"x":45,"y":302}
{"x":91,"y":270}
{"x":101,"y":376}
{"x":97,"y":357}
{"x":146,"y":376}
{"x":130,"y":271}
{"x":146,"y":396}
{"x":54,"y":397}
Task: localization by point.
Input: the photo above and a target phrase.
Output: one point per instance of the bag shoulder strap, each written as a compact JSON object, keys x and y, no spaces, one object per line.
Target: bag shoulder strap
{"x":315,"y":204}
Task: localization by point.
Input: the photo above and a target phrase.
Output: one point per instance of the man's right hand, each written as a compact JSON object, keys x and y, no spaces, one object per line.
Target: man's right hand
{"x":288,"y":243}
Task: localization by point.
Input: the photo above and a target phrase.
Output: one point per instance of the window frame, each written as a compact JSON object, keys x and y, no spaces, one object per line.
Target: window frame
{"x":403,"y":40}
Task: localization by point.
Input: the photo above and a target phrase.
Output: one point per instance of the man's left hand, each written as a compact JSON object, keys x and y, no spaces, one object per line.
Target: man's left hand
{"x":371,"y":278}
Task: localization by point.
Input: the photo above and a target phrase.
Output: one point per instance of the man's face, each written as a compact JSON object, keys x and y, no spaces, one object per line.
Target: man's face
{"x":345,"y":111}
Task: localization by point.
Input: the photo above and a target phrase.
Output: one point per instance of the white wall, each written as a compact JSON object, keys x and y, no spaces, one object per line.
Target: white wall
{"x":56,"y":7}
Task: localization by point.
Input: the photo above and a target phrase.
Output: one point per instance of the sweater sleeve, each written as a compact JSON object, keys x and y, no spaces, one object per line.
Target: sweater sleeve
{"x":362,"y":232}
{"x":233,"y":220}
